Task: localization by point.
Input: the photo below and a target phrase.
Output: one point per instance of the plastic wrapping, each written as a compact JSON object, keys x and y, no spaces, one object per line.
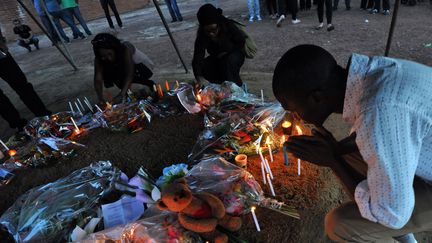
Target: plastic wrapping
{"x":48,"y":213}
{"x":161,"y":228}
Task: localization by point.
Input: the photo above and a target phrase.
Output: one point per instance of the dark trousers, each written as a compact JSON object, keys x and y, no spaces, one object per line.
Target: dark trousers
{"x":305,"y":4}
{"x":328,"y":5}
{"x":217,"y":70}
{"x":271,"y":6}
{"x":33,"y":41}
{"x":111,"y":4}
{"x":68,"y":19}
{"x":288,"y":5}
{"x":142,"y":75}
{"x":366,"y":4}
{"x":386,"y":5}
{"x":347,"y":3}
{"x":12,"y":74}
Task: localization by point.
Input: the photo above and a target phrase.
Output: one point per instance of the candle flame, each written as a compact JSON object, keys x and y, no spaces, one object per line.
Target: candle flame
{"x":108,"y":105}
{"x":299,"y":131}
{"x":268,"y":141}
{"x":269,"y":124}
{"x":177,"y":84}
{"x":12,"y":152}
{"x":253,"y":208}
{"x":283,"y":139}
{"x":167,"y":85}
{"x":286,"y":124}
{"x":199,"y":98}
{"x":264,"y":128}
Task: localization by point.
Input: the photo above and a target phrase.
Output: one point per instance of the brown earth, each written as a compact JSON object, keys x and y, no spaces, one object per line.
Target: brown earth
{"x":170,"y":140}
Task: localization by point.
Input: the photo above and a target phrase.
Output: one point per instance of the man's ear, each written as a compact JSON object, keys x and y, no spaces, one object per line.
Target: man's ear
{"x":161,"y":205}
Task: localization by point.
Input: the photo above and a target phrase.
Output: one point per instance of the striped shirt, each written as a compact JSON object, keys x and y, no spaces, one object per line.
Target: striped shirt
{"x":388,"y":102}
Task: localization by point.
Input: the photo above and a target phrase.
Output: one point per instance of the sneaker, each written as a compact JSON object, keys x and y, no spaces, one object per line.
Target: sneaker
{"x":274,"y":16}
{"x":330,"y":27}
{"x":295,"y":21}
{"x":374,"y":11}
{"x":258,"y":17}
{"x":386,"y":12}
{"x":251,"y":19}
{"x":280,"y":20}
{"x":320,"y":26}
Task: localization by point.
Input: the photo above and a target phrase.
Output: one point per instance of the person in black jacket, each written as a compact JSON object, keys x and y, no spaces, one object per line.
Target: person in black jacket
{"x":224,"y":42}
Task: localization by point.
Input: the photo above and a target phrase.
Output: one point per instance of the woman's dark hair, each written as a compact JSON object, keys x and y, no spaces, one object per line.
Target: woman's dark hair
{"x":107,"y":41}
{"x":209,"y":14}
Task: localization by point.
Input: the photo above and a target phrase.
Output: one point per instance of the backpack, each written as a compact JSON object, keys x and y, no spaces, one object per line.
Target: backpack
{"x":250,"y":48}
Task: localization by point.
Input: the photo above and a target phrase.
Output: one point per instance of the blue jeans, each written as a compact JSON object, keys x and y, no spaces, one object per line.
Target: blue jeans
{"x":75,"y":12}
{"x":174,"y":10}
{"x":67,"y":18}
{"x":254,"y":5}
{"x":49,"y":28}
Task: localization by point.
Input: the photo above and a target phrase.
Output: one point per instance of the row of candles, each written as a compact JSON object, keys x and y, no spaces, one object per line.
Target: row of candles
{"x":158,"y":88}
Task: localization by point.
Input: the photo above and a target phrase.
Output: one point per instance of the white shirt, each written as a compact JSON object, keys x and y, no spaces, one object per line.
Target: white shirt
{"x":389,"y":104}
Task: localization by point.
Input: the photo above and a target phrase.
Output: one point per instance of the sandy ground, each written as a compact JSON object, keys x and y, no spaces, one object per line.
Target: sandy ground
{"x":166,"y":141}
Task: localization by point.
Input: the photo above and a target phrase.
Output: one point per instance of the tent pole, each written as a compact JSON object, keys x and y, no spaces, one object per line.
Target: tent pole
{"x":392,"y":26}
{"x":169,"y":34}
{"x":48,"y":35}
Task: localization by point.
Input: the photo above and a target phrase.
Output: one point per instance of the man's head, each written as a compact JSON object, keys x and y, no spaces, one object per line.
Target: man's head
{"x":209,"y":19}
{"x":17,"y":22}
{"x":308,"y":81}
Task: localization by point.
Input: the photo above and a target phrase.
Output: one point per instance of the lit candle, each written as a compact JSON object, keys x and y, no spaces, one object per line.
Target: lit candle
{"x":98,"y":108}
{"x":299,"y":132}
{"x":75,"y":125}
{"x":269,"y":169}
{"x":287,"y":128}
{"x":81,"y":105}
{"x":160,"y":90}
{"x":167,"y":85}
{"x":79,"y":110}
{"x":263,"y":173}
{"x":108,"y":105}
{"x":154,"y":88}
{"x":4,"y":145}
{"x":286,"y":158}
{"x":262,"y":97}
{"x":271,"y":185}
{"x":12,"y":152}
{"x":241,"y":161}
{"x":255,"y":218}
{"x":268,"y":142}
{"x":177,"y":84}
{"x":199,"y":99}
{"x":71,"y":108}
{"x":88,"y":105}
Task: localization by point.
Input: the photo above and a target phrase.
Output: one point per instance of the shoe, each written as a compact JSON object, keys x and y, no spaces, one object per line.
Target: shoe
{"x":320,"y":26}
{"x":89,"y":33}
{"x":374,"y":11}
{"x":330,"y":27}
{"x":258,"y":17}
{"x":386,"y":12}
{"x":280,"y":20}
{"x":83,"y":37}
{"x":295,"y":21}
{"x":251,"y":19}
{"x":274,"y":16}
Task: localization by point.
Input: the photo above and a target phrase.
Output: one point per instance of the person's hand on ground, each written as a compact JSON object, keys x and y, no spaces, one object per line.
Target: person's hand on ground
{"x":120,"y":98}
{"x":319,"y":149}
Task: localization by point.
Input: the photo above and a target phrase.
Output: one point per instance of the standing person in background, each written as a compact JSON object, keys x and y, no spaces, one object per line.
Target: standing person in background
{"x":272,"y":8}
{"x":46,"y":22}
{"x":11,"y":73}
{"x":254,"y":10}
{"x":174,"y":10}
{"x":366,"y":4}
{"x":320,"y":9}
{"x":25,"y":35}
{"x":72,"y":7}
{"x":111,"y":4}
{"x":305,"y":5}
{"x":377,"y":7}
{"x":347,"y":4}
{"x":284,"y":6}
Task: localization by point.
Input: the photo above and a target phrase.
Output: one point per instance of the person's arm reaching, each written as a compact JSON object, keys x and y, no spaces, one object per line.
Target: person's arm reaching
{"x":389,"y":139}
{"x":129,"y":75}
{"x":198,"y":58}
{"x":98,"y":81}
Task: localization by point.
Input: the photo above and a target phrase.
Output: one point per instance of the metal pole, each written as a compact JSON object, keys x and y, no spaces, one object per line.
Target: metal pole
{"x":47,"y":34}
{"x":169,"y":33}
{"x":392,"y":26}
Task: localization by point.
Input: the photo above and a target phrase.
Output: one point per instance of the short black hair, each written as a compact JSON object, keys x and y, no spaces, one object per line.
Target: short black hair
{"x":302,"y":69}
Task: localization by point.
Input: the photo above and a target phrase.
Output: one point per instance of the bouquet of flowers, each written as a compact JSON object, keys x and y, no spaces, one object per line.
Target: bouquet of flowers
{"x":47,"y":213}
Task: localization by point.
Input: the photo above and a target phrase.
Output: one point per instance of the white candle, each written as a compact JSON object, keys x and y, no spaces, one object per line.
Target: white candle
{"x":264,"y":161}
{"x":79,"y":110}
{"x":271,"y":185}
{"x":262,"y":96}
{"x":75,"y":125}
{"x":71,"y":108}
{"x":269,"y":148}
{"x":269,"y":169}
{"x":255,"y":218}
{"x":88,"y":105}
{"x":263,"y":173}
{"x":4,"y":145}
{"x":298,"y":167}
{"x":177,"y":84}
{"x":99,"y":109}
{"x":81,"y":105}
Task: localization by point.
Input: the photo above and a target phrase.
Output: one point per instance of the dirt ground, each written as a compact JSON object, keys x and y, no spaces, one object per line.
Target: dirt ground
{"x":167,"y":141}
